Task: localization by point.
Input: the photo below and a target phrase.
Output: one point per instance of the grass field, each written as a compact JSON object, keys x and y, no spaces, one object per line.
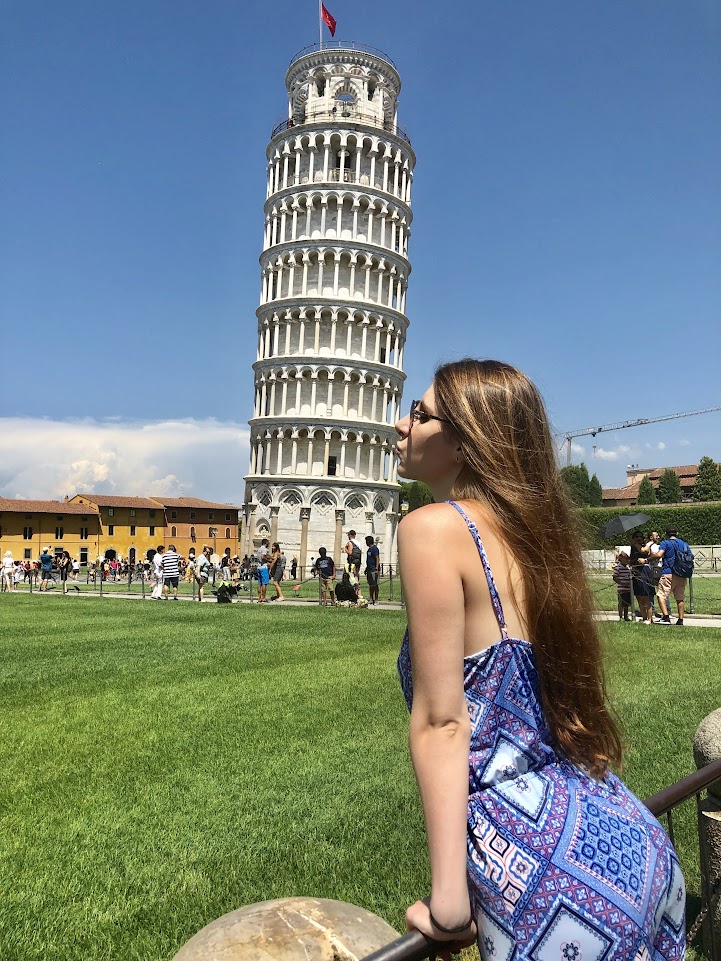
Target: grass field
{"x":165,"y":763}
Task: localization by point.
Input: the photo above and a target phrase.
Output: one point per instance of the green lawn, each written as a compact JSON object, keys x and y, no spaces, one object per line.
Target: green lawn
{"x":164,"y":764}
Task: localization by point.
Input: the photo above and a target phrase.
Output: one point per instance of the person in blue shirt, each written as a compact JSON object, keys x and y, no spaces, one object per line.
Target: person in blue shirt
{"x":372,"y":564}
{"x":669,"y":582}
{"x":46,"y":569}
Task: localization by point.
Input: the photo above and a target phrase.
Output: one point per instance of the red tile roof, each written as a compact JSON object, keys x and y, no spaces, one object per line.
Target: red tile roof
{"x":621,"y":493}
{"x":119,"y":500}
{"x":196,"y":502}
{"x":690,"y":471}
{"x":44,"y":507}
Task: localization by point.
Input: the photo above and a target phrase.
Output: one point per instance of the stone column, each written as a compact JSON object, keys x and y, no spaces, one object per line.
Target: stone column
{"x":274,"y":511}
{"x":369,"y":522}
{"x":707,"y":748}
{"x":304,"y":518}
{"x":338,"y":539}
{"x":250,"y":530}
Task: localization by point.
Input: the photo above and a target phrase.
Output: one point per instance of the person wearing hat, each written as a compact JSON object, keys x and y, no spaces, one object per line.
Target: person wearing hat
{"x":46,"y":568}
{"x":7,"y":571}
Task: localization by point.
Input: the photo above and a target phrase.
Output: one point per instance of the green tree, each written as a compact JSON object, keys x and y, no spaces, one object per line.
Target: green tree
{"x":595,"y":492}
{"x":417,"y":495}
{"x":669,"y":488}
{"x":708,"y":481}
{"x":646,"y":493}
{"x":577,"y":483}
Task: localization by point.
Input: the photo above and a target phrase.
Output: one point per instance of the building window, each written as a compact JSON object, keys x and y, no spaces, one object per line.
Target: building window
{"x":111,"y":529}
{"x":27,"y":554}
{"x":132,"y":512}
{"x":228,"y":517}
{"x":192,"y":533}
{"x":111,"y":512}
{"x":58,"y":533}
{"x":27,"y":533}
{"x":132,"y":530}
{"x":151,"y":531}
{"x":84,"y":555}
{"x":174,"y":514}
{"x":227,"y":533}
{"x":192,"y":515}
{"x":332,"y":461}
{"x":173,"y":531}
{"x":383,"y":355}
{"x":83,"y":533}
{"x":151,"y":513}
{"x":211,"y":516}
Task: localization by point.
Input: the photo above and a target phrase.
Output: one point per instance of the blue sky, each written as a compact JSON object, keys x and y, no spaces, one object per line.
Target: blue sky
{"x":567,"y":208}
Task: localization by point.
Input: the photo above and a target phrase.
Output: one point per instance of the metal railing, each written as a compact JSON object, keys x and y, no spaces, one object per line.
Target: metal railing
{"x":343,"y":112}
{"x":416,"y":947}
{"x":342,"y":45}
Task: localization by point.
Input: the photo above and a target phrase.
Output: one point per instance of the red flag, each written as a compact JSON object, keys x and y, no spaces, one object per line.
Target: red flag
{"x":328,"y":19}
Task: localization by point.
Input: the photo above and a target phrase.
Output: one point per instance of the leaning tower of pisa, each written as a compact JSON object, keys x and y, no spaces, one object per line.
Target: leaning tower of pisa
{"x":331,"y":322}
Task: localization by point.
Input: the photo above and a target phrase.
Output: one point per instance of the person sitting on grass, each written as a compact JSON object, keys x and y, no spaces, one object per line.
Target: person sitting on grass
{"x":622,"y":578}
{"x":348,"y":594}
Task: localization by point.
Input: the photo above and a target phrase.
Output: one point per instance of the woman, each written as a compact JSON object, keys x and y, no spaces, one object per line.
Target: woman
{"x":535,"y":846}
{"x":203,"y":569}
{"x":7,"y":571}
{"x":65,"y":566}
{"x":277,"y":569}
{"x":640,"y":576}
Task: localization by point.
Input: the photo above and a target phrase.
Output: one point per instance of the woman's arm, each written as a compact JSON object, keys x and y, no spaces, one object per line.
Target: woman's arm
{"x":440,"y":727}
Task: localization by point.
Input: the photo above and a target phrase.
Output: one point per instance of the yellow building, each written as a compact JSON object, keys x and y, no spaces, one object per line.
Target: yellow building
{"x":27,"y":527}
{"x":128,"y":526}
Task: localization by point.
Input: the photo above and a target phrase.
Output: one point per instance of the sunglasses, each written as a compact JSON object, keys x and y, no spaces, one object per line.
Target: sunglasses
{"x":422,"y":416}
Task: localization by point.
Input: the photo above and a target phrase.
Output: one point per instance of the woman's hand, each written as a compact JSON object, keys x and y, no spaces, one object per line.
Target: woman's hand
{"x":418,"y":918}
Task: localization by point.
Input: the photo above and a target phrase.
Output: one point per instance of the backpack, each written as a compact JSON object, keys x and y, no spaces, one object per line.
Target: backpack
{"x":355,"y":555}
{"x":683,"y":559}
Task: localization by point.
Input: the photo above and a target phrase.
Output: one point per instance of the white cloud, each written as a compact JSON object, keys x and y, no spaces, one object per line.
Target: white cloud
{"x":47,"y":459}
{"x":577,"y":448}
{"x":684,"y":443}
{"x":621,"y":450}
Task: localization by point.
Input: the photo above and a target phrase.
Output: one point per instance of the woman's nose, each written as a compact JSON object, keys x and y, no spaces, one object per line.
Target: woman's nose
{"x":403,"y":426}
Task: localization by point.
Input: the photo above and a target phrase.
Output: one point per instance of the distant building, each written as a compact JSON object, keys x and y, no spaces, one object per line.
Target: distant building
{"x":192,"y":523}
{"x":27,"y":527}
{"x":628,"y":495}
{"x":128,"y":526}
{"x":92,"y":526}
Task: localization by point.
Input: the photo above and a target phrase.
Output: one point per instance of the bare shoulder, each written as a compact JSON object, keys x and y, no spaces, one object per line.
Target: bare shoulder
{"x":428,"y":522}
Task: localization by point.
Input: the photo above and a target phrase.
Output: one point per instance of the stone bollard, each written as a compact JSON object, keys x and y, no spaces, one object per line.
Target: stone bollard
{"x":707,"y":748}
{"x":311,"y":929}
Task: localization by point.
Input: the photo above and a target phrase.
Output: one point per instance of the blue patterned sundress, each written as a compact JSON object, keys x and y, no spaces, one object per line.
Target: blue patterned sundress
{"x":561,"y":867}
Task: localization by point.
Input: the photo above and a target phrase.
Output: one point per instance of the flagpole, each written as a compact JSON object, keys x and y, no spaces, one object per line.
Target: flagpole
{"x":320,"y":24}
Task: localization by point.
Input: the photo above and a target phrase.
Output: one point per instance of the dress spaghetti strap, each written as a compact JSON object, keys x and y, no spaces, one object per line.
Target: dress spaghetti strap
{"x":495,"y":599}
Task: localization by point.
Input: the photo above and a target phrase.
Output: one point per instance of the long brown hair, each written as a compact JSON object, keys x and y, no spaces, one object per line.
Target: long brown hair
{"x":510,"y":463}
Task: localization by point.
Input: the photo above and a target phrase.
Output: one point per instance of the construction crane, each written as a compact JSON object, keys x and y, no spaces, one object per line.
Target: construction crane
{"x":628,"y":423}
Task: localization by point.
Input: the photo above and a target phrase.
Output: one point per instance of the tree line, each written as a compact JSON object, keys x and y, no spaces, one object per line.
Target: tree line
{"x":586,"y":491}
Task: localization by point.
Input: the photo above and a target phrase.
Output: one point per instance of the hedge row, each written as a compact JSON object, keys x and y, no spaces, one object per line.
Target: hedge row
{"x":696,"y":523}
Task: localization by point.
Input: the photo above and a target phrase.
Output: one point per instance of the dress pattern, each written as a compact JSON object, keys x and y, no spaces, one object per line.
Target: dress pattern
{"x":561,"y":866}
